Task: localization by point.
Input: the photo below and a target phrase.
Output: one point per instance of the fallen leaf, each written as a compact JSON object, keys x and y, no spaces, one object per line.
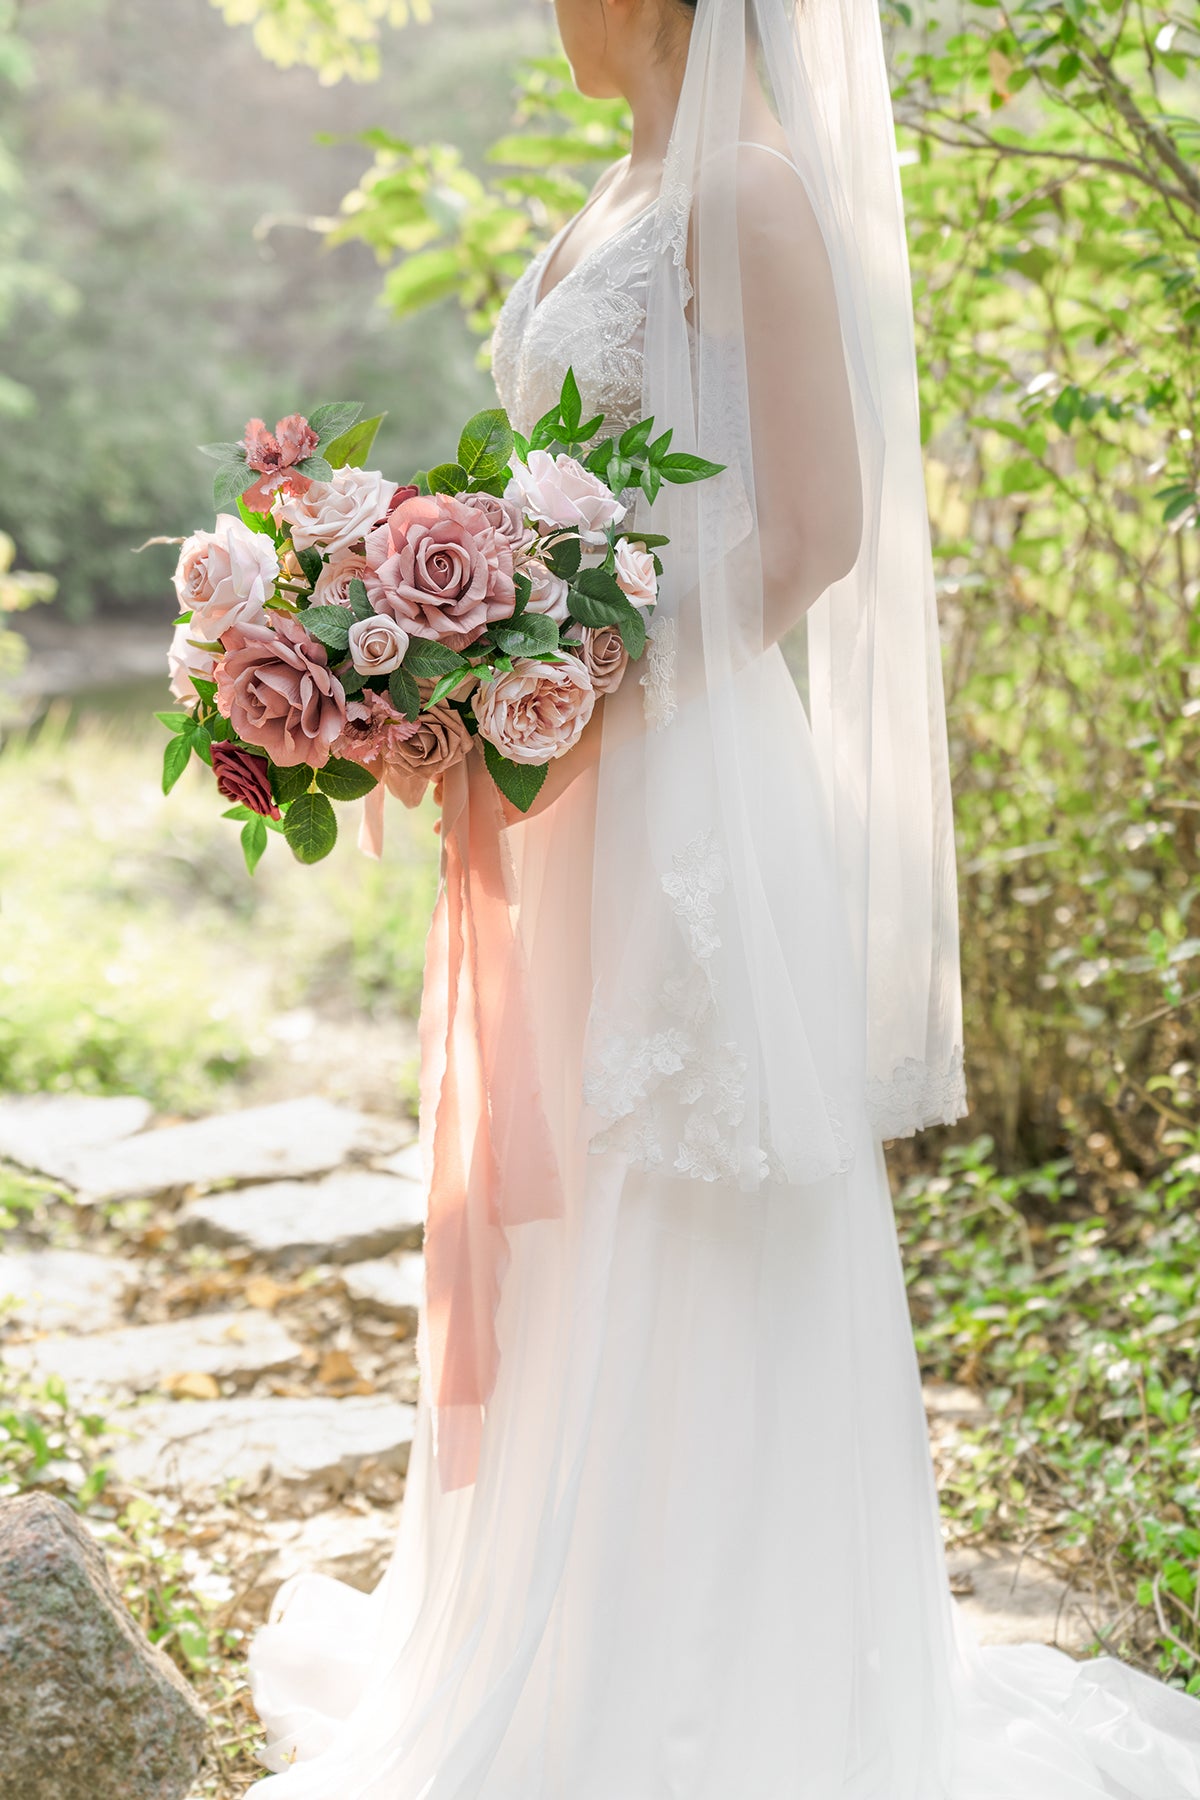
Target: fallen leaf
{"x":336,"y":1367}
{"x":263,"y":1293}
{"x":192,"y":1384}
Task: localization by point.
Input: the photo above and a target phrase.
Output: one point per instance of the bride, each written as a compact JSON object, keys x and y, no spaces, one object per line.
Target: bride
{"x":670,"y":1530}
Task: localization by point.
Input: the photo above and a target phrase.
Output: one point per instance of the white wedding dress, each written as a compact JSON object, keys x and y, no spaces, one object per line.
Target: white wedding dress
{"x":702,"y":1557}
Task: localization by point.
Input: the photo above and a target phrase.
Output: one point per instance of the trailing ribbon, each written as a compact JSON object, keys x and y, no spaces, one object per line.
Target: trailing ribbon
{"x":489,"y":1157}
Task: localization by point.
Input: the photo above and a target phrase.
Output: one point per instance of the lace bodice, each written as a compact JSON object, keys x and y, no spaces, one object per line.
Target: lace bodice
{"x":591,"y":320}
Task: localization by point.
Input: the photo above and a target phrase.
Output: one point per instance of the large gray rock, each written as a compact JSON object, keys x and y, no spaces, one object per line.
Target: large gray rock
{"x":88,"y":1709}
{"x":64,"y":1290}
{"x":264,"y":1143}
{"x":45,"y":1131}
{"x":343,"y":1218}
{"x":393,"y":1286}
{"x":225,"y":1345}
{"x":181,"y":1445}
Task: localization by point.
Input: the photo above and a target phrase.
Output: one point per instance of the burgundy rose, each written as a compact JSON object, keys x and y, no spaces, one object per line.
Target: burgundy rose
{"x":242,"y":777}
{"x":276,"y":688}
{"x":437,"y":566}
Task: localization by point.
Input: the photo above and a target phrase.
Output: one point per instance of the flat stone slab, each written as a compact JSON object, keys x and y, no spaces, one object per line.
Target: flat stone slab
{"x":64,"y":1290}
{"x":345,"y":1217}
{"x":347,"y":1546}
{"x":142,"y":1357}
{"x":1013,"y":1600}
{"x":177,"y":1444}
{"x":296,"y":1137}
{"x":407,"y":1163}
{"x":44,"y":1132}
{"x":392,"y":1286}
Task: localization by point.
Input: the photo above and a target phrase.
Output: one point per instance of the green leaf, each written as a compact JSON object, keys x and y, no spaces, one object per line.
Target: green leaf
{"x":651,"y":539}
{"x":311,"y":562}
{"x":445,"y":686}
{"x":423,"y":278}
{"x":260,"y":522}
{"x":176,"y":756}
{"x":486,"y":444}
{"x":310,"y":827}
{"x":570,"y":405}
{"x":342,"y":779}
{"x":353,"y":682}
{"x":254,"y":841}
{"x":330,"y":625}
{"x":175,"y":721}
{"x":333,"y":419}
{"x":522,"y":590}
{"x":635,"y":438}
{"x":316,"y":468}
{"x":360,"y":605}
{"x":519,"y":782}
{"x":290,"y":781}
{"x":535,"y":633}
{"x":651,"y":480}
{"x":658,"y":449}
{"x":599,"y":457}
{"x":405,"y":695}
{"x":207,"y":690}
{"x":352,"y":448}
{"x":224,"y":453}
{"x":447,"y":478}
{"x":521,"y":446}
{"x":231,"y":480}
{"x":426,"y":657}
{"x":632,"y":627}
{"x":680,"y":466}
{"x":564,"y":557}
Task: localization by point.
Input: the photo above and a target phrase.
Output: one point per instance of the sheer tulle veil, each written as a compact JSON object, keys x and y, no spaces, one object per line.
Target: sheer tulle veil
{"x":774,"y":926}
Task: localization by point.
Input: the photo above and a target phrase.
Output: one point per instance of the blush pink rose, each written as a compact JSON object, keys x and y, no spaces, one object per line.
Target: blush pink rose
{"x":559,"y":492}
{"x":185,"y":659}
{"x":604,"y":657}
{"x":377,"y":644}
{"x":333,"y":515}
{"x":634,"y":572}
{"x":548,"y":592}
{"x":225,"y":576}
{"x":506,"y":520}
{"x":440,"y":570}
{"x":278,"y":692}
{"x":333,"y":583}
{"x":536,"y":710}
{"x":439,"y":739}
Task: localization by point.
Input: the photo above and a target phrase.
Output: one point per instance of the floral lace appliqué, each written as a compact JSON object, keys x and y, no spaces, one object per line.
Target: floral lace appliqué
{"x":697,"y":876}
{"x":658,"y":676}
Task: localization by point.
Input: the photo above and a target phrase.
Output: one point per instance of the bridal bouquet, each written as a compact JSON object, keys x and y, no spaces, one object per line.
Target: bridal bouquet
{"x":338,"y":630}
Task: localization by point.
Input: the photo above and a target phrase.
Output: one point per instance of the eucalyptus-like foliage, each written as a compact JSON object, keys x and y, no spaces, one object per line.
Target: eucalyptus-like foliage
{"x":337,"y":38}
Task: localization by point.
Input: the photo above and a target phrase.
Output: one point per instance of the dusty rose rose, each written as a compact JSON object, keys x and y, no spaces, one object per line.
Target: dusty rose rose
{"x":505,"y":519}
{"x":634,"y":572}
{"x":333,"y":583}
{"x":440,"y":570}
{"x":332,"y":515}
{"x":184,"y":660}
{"x":559,"y":491}
{"x":604,"y":657}
{"x":536,"y":710}
{"x":224,"y":576}
{"x":372,"y":731}
{"x":377,"y":644}
{"x":277,"y":691}
{"x":439,"y":740}
{"x":548,"y":591}
{"x":242,"y":777}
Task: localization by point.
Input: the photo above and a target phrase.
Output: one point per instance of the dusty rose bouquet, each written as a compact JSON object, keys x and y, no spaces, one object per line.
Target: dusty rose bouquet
{"x":338,"y":630}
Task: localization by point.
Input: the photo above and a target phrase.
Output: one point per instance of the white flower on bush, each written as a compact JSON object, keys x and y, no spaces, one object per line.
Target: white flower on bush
{"x":332,"y":515}
{"x":635,"y":574}
{"x":558,"y":491}
{"x":548,"y":592}
{"x":377,"y":644}
{"x":225,"y":576}
{"x":536,"y":710}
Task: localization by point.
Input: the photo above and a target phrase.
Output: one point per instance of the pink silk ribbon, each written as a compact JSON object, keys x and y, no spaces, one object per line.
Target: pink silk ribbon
{"x":489,"y":1157}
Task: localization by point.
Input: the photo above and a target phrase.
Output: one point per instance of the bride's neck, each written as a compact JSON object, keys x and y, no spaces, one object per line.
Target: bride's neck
{"x":652,"y":90}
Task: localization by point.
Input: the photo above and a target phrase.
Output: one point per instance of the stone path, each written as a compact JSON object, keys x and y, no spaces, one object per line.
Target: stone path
{"x":238,"y":1297}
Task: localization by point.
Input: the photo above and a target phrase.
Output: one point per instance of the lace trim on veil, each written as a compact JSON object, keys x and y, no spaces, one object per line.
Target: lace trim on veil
{"x":915,"y":1095}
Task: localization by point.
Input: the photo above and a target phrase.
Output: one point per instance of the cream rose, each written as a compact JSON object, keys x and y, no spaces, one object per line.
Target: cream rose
{"x":332,"y":515}
{"x":548,"y":592}
{"x":225,"y":577}
{"x":184,"y":660}
{"x":333,"y":583}
{"x":604,"y":657}
{"x":635,"y":574}
{"x":535,"y":711}
{"x":558,"y":491}
{"x":440,"y":739}
{"x":377,"y":645}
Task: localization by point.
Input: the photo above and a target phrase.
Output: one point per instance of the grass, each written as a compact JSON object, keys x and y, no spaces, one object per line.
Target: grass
{"x":137,"y":954}
{"x":1069,"y":1296}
